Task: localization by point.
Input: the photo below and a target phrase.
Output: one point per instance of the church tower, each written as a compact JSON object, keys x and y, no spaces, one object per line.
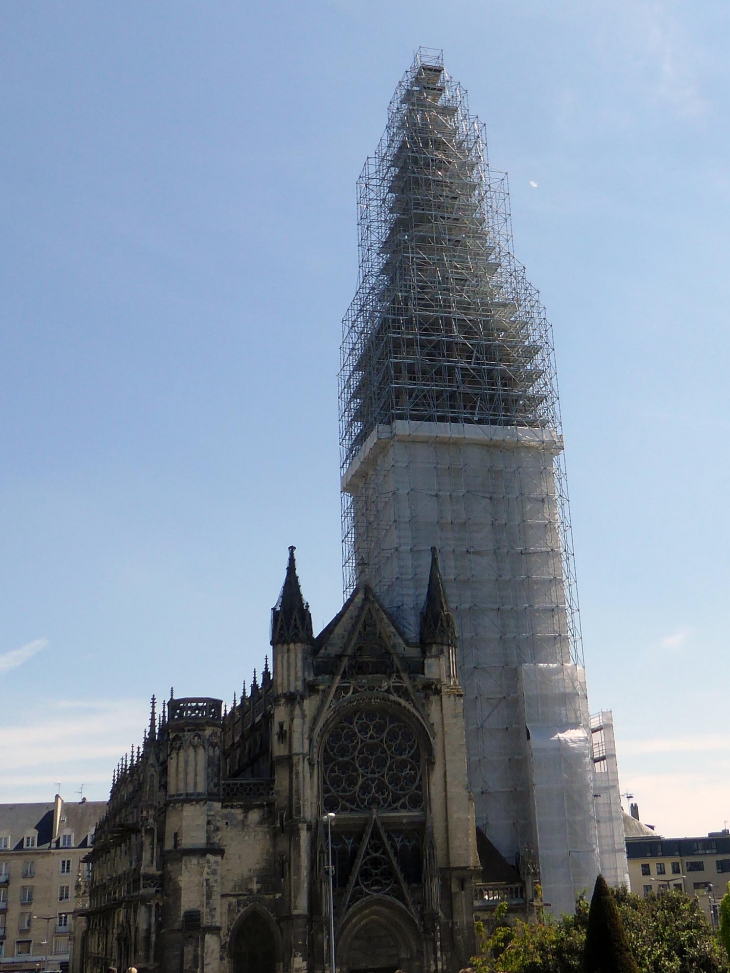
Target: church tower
{"x":451,"y":439}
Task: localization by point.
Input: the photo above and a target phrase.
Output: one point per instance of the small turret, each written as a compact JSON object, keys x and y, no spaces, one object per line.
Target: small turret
{"x":291,"y":621}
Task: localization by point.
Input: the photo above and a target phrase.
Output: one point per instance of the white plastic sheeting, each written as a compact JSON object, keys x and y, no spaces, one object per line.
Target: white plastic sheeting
{"x":562,"y":778}
{"x":607,"y":801}
{"x":485,"y":497}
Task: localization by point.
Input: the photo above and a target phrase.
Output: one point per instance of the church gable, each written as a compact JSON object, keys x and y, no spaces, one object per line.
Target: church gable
{"x":364,"y":628}
{"x":362,"y":651}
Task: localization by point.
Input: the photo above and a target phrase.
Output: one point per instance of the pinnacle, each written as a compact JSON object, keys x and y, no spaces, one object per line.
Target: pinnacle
{"x":291,"y":620}
{"x":437,"y":622}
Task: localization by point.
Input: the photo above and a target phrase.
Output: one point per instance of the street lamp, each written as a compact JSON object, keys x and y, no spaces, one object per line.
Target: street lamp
{"x":711,"y":902}
{"x":46,"y":940}
{"x":328,"y":819}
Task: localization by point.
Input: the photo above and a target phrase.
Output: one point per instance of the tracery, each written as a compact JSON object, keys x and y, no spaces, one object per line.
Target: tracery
{"x":372,"y":761}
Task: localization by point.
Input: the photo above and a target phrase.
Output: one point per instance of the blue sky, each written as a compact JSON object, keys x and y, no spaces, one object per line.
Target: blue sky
{"x":178,"y":247}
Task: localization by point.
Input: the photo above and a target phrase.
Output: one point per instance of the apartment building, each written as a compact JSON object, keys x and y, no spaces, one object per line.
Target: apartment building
{"x":41,"y":852}
{"x":698,"y":866}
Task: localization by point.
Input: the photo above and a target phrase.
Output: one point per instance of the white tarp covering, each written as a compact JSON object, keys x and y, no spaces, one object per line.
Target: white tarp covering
{"x":561,"y":782}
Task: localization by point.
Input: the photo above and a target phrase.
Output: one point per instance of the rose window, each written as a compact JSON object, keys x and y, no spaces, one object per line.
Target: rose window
{"x":372,"y":761}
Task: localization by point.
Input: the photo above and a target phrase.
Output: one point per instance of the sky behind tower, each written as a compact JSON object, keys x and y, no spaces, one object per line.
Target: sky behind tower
{"x":179,"y":246}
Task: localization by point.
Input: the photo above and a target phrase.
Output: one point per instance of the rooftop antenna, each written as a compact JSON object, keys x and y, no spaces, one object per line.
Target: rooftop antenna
{"x":58,"y":787}
{"x":80,"y":791}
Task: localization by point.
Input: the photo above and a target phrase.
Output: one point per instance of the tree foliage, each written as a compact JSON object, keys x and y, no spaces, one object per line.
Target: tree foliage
{"x":607,"y":947}
{"x":666,"y":933}
{"x":725,"y":920}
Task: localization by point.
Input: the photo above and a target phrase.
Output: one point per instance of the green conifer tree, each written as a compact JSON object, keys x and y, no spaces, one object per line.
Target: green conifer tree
{"x":607,"y":947}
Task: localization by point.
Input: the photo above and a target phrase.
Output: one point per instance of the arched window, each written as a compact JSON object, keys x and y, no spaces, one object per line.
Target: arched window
{"x":372,"y":761}
{"x":253,"y":949}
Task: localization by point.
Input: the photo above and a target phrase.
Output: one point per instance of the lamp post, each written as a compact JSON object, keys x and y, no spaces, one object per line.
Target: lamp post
{"x":328,"y":819}
{"x":47,"y":940}
{"x":711,"y":902}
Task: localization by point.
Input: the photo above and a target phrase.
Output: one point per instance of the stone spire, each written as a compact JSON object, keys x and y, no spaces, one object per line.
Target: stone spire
{"x":153,"y":719}
{"x":291,"y":620}
{"x":437,"y":622}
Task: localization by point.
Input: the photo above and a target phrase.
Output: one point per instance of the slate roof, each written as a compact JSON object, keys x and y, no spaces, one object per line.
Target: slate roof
{"x":22,"y":819}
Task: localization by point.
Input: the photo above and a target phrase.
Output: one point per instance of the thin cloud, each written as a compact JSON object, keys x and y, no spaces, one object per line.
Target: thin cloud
{"x":73,"y":744}
{"x":16,"y":657}
{"x":710,"y":743}
{"x":681,"y":804}
{"x":533,"y":184}
{"x":676,"y":640}
{"x":663,"y":40}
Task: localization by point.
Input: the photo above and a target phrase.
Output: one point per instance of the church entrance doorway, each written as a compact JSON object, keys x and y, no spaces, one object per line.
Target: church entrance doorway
{"x":374,"y":949}
{"x":254,"y":949}
{"x":379,"y":939}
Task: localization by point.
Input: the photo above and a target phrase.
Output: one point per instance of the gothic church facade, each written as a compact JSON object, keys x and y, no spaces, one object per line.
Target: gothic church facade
{"x":214,"y":852}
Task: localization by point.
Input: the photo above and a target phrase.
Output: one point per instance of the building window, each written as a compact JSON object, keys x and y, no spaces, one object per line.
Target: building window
{"x":24,"y":921}
{"x":722,"y":865}
{"x":676,"y":870}
{"x":695,"y":866}
{"x":23,"y":947}
{"x":698,"y":886}
{"x":678,"y":887}
{"x":4,"y":871}
{"x":86,"y":871}
{"x":28,"y":869}
{"x":63,"y":893}
{"x":3,"y":897}
{"x":647,"y":891}
{"x":62,"y":922}
{"x":29,"y":841}
{"x":660,"y":870}
{"x":663,"y":887}
{"x":391,"y":782}
{"x":2,"y":947}
{"x":705,"y":847}
{"x":65,"y":866}
{"x":60,"y":945}
{"x":67,"y":840}
{"x":646,"y":869}
{"x":4,"y":842}
{"x":26,"y":895}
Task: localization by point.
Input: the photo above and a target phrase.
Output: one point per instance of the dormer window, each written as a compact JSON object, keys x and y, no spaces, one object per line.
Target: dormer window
{"x":29,"y":841}
{"x":4,"y":842}
{"x":67,"y":840}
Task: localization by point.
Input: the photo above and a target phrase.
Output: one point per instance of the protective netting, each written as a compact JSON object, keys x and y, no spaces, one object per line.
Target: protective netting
{"x":607,"y":801}
{"x":451,"y":438}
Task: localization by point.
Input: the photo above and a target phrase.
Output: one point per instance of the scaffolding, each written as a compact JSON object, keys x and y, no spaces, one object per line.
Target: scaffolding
{"x":444,"y":326}
{"x":607,"y":801}
{"x":451,"y":437}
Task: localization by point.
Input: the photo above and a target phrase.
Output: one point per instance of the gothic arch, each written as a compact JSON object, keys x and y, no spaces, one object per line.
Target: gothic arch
{"x":379,"y":936}
{"x":254,"y":943}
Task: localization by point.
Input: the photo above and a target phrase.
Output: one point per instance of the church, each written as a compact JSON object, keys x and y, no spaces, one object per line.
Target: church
{"x":327,"y":811}
{"x":429,"y":753}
